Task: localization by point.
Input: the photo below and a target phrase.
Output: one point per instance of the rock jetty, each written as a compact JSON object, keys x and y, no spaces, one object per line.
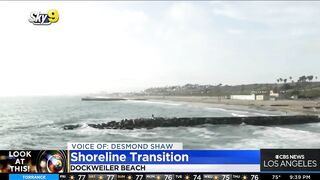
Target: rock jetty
{"x":150,"y":123}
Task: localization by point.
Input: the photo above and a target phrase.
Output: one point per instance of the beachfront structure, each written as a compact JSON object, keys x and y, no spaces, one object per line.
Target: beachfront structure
{"x":261,"y":97}
{"x":259,"y":92}
{"x":243,"y":97}
{"x":274,"y":94}
{"x":257,"y":96}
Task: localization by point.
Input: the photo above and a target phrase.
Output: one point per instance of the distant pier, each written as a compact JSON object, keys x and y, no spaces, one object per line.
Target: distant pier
{"x":102,"y":99}
{"x":150,"y":123}
{"x":110,"y":99}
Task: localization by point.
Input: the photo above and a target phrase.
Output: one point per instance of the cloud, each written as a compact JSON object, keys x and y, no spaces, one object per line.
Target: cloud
{"x":235,"y":31}
{"x":111,"y":46}
{"x":269,"y":12}
{"x":89,"y":49}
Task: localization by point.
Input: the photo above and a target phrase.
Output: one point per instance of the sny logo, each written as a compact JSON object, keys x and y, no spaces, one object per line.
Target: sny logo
{"x":38,"y":18}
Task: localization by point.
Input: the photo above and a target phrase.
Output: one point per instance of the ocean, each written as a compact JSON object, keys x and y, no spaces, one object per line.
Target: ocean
{"x":37,"y":123}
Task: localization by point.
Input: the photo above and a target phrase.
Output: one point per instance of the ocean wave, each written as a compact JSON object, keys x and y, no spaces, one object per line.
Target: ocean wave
{"x":255,"y":137}
{"x":262,"y":114}
{"x":202,"y":132}
{"x":286,"y":133}
{"x":215,"y":109}
{"x":156,"y":102}
{"x":238,"y":115}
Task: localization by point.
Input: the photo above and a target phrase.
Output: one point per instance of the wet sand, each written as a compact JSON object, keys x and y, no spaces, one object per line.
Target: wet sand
{"x":311,"y":107}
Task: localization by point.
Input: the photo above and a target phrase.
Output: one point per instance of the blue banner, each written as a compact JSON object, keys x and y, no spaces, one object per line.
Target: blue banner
{"x":33,"y":176}
{"x":165,"y":157}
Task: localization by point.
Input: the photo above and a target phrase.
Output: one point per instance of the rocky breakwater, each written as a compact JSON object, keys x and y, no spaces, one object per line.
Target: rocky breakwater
{"x":194,"y":121}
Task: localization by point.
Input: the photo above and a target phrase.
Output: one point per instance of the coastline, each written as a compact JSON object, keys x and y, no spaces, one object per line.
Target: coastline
{"x":290,"y":107}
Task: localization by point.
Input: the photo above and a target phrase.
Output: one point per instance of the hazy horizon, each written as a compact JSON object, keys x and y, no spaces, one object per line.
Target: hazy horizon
{"x":130,"y":46}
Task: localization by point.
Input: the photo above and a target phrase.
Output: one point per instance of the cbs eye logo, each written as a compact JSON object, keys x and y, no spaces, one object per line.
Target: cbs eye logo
{"x":38,"y":18}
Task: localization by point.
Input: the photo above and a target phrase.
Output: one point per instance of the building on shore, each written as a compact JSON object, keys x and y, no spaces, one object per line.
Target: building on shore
{"x":257,"y":96}
{"x":274,"y":96}
{"x":243,"y":97}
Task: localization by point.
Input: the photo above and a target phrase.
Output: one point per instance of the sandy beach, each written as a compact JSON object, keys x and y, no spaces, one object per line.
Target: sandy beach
{"x":311,"y":107}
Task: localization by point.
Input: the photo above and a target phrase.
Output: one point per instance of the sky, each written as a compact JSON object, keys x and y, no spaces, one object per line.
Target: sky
{"x":130,"y":46}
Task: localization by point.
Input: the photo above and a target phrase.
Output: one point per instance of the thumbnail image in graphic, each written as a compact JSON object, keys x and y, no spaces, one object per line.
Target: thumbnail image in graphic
{"x":35,"y":161}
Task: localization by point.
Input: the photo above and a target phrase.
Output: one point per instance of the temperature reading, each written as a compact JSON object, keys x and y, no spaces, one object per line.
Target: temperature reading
{"x":139,"y":177}
{"x":196,"y":177}
{"x":254,"y":177}
{"x":225,"y":177}
{"x":110,"y":177}
{"x":276,"y":177}
{"x":168,"y":177}
{"x":81,"y":177}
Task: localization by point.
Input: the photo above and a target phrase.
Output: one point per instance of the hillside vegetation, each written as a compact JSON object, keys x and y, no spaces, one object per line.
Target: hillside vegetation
{"x":304,"y":87}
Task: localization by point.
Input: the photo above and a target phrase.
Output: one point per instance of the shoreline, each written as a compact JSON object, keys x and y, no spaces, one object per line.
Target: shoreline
{"x":293,"y":107}
{"x":150,"y":123}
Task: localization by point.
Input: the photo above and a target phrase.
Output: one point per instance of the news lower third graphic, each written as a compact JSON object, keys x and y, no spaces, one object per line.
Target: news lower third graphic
{"x":157,"y":161}
{"x":39,"y":18}
{"x":157,"y":157}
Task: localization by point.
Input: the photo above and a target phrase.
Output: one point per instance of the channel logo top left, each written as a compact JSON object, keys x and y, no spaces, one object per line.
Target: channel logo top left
{"x":39,"y":18}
